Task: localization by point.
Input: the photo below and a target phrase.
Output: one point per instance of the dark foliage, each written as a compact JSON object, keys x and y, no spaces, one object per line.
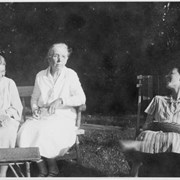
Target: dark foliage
{"x":112,"y":43}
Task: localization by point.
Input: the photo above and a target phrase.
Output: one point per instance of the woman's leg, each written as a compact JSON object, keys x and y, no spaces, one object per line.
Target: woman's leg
{"x":43,"y":172}
{"x":3,"y":170}
{"x":53,"y":168}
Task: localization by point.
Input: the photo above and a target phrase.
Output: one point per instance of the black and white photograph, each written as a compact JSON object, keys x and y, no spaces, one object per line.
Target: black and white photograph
{"x":89,"y":89}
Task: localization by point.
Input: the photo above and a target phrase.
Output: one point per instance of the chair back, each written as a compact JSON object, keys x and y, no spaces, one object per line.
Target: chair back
{"x":25,"y":93}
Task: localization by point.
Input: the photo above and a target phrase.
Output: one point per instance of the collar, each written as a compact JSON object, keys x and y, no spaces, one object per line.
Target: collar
{"x":171,"y":100}
{"x":48,"y":73}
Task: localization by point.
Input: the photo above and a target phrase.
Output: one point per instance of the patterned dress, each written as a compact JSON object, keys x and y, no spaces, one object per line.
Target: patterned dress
{"x":163,"y":109}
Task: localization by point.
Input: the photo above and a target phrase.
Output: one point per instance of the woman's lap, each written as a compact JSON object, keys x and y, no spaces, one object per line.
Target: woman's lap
{"x":158,"y":141}
{"x":8,"y":134}
{"x":50,"y":135}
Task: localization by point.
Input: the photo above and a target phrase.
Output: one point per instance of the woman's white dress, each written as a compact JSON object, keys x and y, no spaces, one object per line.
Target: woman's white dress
{"x":10,"y":112}
{"x":54,"y":133}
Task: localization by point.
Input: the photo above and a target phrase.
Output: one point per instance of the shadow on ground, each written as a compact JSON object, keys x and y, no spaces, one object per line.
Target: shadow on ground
{"x":159,"y":164}
{"x":67,"y":169}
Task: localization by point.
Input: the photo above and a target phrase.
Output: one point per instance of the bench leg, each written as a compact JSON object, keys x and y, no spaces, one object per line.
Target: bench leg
{"x":77,"y":151}
{"x":28,"y":173}
{"x":13,"y":170}
{"x":19,"y":168}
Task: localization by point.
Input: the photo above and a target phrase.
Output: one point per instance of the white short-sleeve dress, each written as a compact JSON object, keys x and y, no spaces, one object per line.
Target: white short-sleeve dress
{"x":54,"y":133}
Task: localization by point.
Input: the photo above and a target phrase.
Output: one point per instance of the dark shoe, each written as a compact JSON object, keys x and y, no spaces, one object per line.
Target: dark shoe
{"x":53,"y":174}
{"x":42,"y":175}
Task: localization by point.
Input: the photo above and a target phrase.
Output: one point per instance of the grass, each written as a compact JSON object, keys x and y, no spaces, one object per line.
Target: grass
{"x":100,"y":148}
{"x":126,"y":121}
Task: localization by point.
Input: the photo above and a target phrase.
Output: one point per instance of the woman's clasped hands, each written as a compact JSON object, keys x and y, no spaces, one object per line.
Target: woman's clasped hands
{"x":54,"y":105}
{"x":51,"y":108}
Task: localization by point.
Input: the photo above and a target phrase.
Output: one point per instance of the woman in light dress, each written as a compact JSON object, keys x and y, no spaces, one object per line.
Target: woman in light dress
{"x":161,"y":132}
{"x":10,"y":112}
{"x":52,"y":128}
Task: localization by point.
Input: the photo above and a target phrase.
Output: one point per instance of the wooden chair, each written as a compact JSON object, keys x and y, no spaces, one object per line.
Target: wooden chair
{"x":25,"y":93}
{"x":149,"y":86}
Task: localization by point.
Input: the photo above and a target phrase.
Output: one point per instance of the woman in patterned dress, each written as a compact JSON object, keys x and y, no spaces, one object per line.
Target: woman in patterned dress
{"x":10,"y":112}
{"x":52,"y":128}
{"x":161,"y":131}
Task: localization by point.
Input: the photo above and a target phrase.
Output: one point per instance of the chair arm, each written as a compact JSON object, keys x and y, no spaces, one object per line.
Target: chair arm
{"x":81,"y":108}
{"x":80,"y":131}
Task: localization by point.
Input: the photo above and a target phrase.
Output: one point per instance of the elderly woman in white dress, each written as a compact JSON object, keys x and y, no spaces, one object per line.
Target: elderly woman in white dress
{"x":52,"y":128}
{"x":10,"y":112}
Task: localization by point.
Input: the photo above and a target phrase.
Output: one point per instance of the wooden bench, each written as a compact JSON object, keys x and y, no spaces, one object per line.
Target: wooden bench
{"x":16,"y":156}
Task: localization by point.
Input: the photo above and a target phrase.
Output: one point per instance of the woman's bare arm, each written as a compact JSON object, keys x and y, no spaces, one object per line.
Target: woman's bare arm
{"x":149,"y":119}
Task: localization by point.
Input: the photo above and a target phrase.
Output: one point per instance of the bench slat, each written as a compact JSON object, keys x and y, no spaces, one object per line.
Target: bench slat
{"x":25,"y":91}
{"x":19,"y":154}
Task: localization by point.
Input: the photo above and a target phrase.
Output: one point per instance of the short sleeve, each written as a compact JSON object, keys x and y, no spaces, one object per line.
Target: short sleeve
{"x":152,"y":106}
{"x":77,"y":96}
